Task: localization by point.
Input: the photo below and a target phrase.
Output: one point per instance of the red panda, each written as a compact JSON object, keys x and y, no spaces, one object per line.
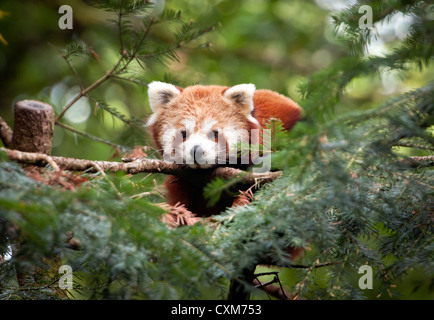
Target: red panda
{"x":201,"y":126}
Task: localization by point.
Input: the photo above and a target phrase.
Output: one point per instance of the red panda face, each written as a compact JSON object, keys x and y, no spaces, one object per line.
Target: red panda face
{"x":200,"y":125}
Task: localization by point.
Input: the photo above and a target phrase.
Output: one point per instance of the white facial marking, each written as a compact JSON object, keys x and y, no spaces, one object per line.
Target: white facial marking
{"x":189,"y":124}
{"x":208,"y":124}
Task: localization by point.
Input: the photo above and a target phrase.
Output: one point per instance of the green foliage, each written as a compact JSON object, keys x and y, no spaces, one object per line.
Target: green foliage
{"x":350,"y":193}
{"x":125,"y":251}
{"x":122,"y":6}
{"x":322,"y":90}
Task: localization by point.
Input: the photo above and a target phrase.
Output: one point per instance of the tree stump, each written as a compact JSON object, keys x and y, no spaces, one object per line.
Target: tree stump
{"x":33,"y":132}
{"x":33,"y":126}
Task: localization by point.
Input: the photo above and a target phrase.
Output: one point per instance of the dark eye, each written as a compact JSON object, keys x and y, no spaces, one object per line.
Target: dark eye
{"x":184,"y":134}
{"x":213,"y":134}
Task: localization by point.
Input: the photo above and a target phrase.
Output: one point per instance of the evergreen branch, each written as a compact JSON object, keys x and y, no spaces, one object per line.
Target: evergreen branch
{"x":413,"y":145}
{"x":85,"y":91}
{"x":97,"y":83}
{"x":121,"y":36}
{"x":181,"y":40}
{"x":112,"y":111}
{"x":74,"y":71}
{"x":315,"y":266}
{"x":131,"y":79}
{"x":65,"y":56}
{"x":127,"y":57}
{"x":300,"y":286}
{"x":170,"y":14}
{"x":76,"y":48}
{"x":149,"y":24}
{"x":358,"y":39}
{"x":116,"y":5}
{"x":115,"y":71}
{"x":133,"y":167}
{"x":201,"y":252}
{"x":414,"y":162}
{"x":266,"y":261}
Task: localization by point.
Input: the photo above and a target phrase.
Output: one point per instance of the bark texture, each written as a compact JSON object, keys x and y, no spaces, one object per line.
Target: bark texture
{"x":33,"y":126}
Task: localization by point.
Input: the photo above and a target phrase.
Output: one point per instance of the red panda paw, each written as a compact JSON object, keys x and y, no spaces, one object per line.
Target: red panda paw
{"x":179,"y":216}
{"x":244,"y":198}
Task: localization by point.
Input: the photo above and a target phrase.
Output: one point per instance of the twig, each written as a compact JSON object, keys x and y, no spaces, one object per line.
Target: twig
{"x":269,"y":288}
{"x":315,"y":266}
{"x":262,"y":285}
{"x":113,"y":72}
{"x":68,"y":62}
{"x":175,"y":46}
{"x":121,"y":40}
{"x":97,"y":167}
{"x":84,"y":92}
{"x":89,"y":136}
{"x":50,"y":161}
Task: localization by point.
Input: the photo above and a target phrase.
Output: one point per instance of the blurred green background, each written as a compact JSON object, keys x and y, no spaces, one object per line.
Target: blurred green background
{"x":274,"y":44}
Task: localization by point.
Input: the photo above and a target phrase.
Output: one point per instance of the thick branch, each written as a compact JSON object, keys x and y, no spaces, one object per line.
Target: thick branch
{"x":133,"y":167}
{"x":6,"y":133}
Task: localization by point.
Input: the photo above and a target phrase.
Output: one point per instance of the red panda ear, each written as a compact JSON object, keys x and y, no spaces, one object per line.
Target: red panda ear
{"x":242,"y":96}
{"x":161,"y":94}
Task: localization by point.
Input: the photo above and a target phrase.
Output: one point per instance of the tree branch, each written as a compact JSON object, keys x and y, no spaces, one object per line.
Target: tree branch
{"x":83,"y":93}
{"x":133,"y":167}
{"x":89,"y":136}
{"x":414,"y":162}
{"x":6,"y":133}
{"x":276,"y":291}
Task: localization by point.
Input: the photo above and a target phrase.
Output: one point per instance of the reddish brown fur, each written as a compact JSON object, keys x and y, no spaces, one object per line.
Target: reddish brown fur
{"x":271,"y":104}
{"x":197,"y":102}
{"x":200,"y":102}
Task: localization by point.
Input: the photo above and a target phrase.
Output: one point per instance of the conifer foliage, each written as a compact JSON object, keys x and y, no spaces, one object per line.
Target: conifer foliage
{"x":347,"y":195}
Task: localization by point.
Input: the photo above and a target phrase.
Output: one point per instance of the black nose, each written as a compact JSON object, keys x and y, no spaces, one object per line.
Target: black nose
{"x":196,"y":153}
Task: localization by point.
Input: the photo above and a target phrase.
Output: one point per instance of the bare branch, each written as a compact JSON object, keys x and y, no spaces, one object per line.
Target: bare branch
{"x":89,"y":136}
{"x":276,"y":291}
{"x":6,"y":133}
{"x":133,"y":167}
